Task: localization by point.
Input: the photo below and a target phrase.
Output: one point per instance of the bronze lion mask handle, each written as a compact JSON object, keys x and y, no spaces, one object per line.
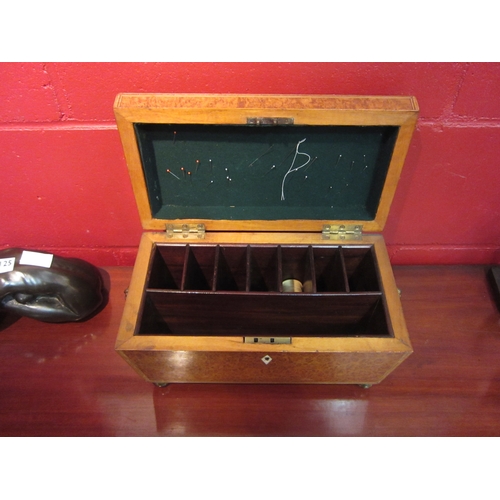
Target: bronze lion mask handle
{"x":57,"y":290}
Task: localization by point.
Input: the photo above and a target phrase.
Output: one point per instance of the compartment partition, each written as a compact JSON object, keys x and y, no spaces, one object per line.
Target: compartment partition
{"x":196,"y":289}
{"x":262,"y":314}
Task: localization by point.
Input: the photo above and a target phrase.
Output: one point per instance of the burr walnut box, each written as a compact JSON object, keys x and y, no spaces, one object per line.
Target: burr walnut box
{"x":261,"y":260}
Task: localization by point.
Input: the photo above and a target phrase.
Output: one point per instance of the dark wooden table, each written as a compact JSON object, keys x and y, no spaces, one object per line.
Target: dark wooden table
{"x":66,"y":380}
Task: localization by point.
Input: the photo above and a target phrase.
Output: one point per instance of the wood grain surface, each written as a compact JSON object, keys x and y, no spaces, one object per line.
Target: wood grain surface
{"x":67,"y":380}
{"x":225,"y":109}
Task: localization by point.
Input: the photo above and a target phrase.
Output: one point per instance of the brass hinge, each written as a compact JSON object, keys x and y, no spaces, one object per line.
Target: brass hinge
{"x":342,"y":232}
{"x":186,"y":231}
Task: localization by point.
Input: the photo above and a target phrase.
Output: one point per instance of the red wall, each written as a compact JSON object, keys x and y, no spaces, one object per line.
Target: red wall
{"x":65,"y":187}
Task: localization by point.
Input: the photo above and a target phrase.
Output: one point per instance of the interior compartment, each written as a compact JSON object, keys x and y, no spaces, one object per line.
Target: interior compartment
{"x":166,"y":267}
{"x":297,"y":264}
{"x":199,"y":266}
{"x":330,"y":271}
{"x":361,"y":268}
{"x":263,"y":264}
{"x":209,"y":290}
{"x":230,"y":268}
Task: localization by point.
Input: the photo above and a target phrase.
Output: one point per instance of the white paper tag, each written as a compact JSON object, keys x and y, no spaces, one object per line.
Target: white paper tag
{"x":36,"y":259}
{"x":7,"y":264}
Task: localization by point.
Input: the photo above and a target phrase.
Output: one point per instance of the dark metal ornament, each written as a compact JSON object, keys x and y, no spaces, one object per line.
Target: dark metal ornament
{"x":69,"y":290}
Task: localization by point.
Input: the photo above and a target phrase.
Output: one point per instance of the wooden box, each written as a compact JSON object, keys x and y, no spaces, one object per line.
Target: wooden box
{"x":260,"y":261}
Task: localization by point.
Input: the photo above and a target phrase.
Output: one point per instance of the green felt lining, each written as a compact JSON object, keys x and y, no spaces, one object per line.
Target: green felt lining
{"x":242,"y":172}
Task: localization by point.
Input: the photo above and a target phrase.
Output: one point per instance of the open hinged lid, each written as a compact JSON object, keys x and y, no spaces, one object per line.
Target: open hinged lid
{"x":264,"y":162}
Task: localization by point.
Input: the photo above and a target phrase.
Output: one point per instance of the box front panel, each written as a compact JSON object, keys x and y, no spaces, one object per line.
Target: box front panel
{"x":268,"y":367}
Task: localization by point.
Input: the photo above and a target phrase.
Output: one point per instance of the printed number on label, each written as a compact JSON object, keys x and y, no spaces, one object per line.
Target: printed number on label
{"x":7,"y":265}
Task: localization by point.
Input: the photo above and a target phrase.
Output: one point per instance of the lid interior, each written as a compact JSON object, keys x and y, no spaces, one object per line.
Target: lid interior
{"x":278,"y":172}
